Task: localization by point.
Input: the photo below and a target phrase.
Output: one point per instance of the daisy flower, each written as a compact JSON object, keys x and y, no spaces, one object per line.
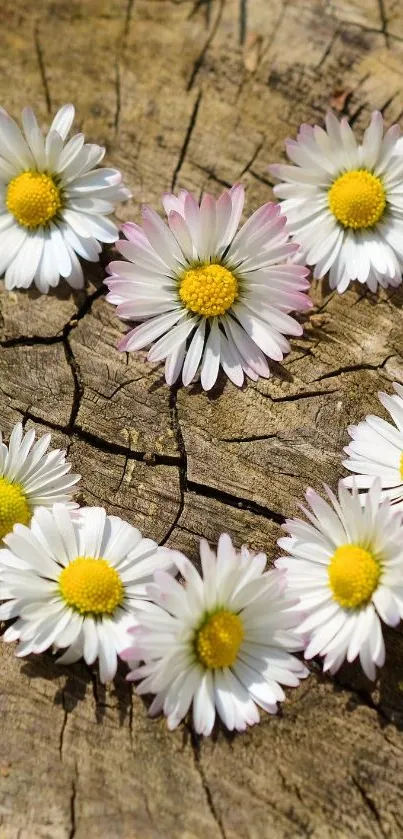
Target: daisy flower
{"x":346,"y":567}
{"x":376,"y":449}
{"x":207,"y":294}
{"x":344,"y":201}
{"x":221,"y":641}
{"x":53,"y":202}
{"x":31,"y":477}
{"x":73,"y":580}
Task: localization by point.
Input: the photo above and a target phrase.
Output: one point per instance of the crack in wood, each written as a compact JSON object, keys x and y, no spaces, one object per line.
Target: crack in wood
{"x":235,"y":501}
{"x":295,"y":397}
{"x":118,"y":99}
{"x":77,"y":383}
{"x":42,"y":70}
{"x":200,"y":59}
{"x":182,"y":461}
{"x":372,"y":30}
{"x":63,"y":727}
{"x":253,"y":158}
{"x":186,"y":141}
{"x":195,"y":743}
{"x":243,"y":20}
{"x":384,"y":21}
{"x":369,"y":803}
{"x":353,"y":368}
{"x":328,"y":49}
{"x":261,"y":178}
{"x":128,"y":19}
{"x":64,"y":332}
{"x":73,"y":821}
{"x":213,"y":176}
{"x":200,"y":4}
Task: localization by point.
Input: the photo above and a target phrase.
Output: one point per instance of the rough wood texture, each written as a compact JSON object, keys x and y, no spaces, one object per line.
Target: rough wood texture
{"x":198,"y":94}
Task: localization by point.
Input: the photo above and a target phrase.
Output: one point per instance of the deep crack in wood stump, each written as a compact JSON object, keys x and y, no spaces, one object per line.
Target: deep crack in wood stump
{"x":198,"y":94}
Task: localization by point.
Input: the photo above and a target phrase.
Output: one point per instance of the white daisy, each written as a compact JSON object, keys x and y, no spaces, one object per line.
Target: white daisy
{"x":31,"y":477}
{"x":344,"y":201}
{"x":376,"y":449}
{"x":53,"y":202}
{"x":73,"y":580}
{"x":214,"y":295}
{"x":221,"y":641}
{"x":346,"y":568}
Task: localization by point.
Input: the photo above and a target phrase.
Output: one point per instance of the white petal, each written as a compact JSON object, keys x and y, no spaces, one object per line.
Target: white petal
{"x":211,"y":358}
{"x":63,"y":121}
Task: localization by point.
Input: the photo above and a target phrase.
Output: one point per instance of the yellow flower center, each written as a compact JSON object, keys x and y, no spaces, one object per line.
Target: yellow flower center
{"x":91,"y":586}
{"x":33,"y":199}
{"x":208,"y":290}
{"x":357,"y":199}
{"x":219,"y":639}
{"x":353,"y":576}
{"x":14,"y":507}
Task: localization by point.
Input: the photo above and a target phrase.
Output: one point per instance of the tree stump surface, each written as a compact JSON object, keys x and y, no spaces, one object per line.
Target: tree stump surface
{"x":198,"y":95}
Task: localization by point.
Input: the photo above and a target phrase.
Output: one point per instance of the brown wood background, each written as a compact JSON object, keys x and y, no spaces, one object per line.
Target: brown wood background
{"x":198,"y":93}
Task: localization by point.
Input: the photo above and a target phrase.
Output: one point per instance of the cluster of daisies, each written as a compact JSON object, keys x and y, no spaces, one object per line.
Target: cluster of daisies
{"x":203,"y":292}
{"x":224,"y":640}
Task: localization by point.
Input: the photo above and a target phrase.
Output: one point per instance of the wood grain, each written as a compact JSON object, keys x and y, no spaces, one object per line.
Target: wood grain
{"x":198,"y":94}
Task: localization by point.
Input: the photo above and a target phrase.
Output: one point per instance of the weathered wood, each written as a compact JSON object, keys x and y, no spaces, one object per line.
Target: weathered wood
{"x":198,"y":94}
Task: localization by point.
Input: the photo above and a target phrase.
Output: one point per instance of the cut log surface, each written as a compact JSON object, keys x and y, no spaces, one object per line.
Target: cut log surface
{"x":198,"y":95}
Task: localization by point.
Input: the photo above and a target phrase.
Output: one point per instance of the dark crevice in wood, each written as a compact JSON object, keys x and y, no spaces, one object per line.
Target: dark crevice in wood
{"x":200,"y":59}
{"x":31,"y":341}
{"x":235,"y":501}
{"x":37,"y":340}
{"x":116,"y":448}
{"x":252,"y":438}
{"x":85,"y":308}
{"x":372,"y":30}
{"x":253,"y":158}
{"x":295,"y":397}
{"x":355,"y":116}
{"x":78,"y":387}
{"x":42,"y":70}
{"x":128,"y":18}
{"x":73,"y":823}
{"x":243,"y":20}
{"x":182,"y":462}
{"x":63,"y":728}
{"x":79,"y":433}
{"x":328,"y":49}
{"x":261,"y":179}
{"x":369,"y":803}
{"x":212,"y":176}
{"x":384,"y":21}
{"x":388,"y":102}
{"x":195,"y":743}
{"x":118,"y":99}
{"x":189,"y":131}
{"x":352,"y":368}
{"x":131,"y":711}
{"x":199,"y":4}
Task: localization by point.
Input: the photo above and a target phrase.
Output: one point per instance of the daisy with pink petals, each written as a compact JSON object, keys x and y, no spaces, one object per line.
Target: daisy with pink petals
{"x":344,"y":201}
{"x":207,"y":295}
